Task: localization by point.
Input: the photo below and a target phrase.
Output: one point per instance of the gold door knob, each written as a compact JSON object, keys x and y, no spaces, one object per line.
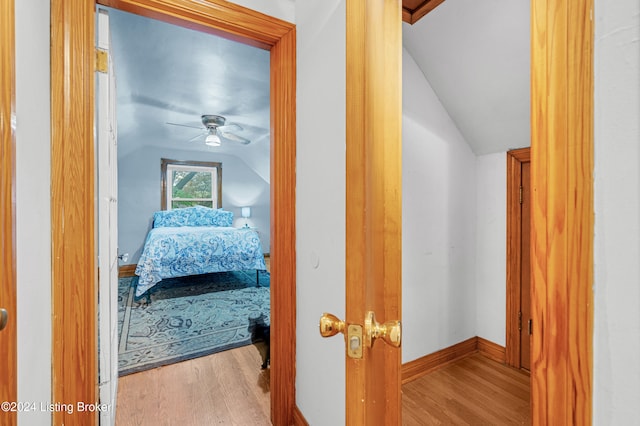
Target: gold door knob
{"x":330,"y":325}
{"x":4,"y":318}
{"x":390,"y":331}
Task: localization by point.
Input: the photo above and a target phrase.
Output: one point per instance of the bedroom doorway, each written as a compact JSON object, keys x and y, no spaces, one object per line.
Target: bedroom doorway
{"x":205,"y":294}
{"x":186,"y":319}
{"x":282,"y":262}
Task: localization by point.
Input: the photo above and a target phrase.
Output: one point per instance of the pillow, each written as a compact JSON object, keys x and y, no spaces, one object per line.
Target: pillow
{"x":192,"y":216}
{"x":205,"y":216}
{"x":169,"y":218}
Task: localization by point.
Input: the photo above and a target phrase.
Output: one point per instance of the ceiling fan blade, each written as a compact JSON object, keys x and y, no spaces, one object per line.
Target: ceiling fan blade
{"x":232,"y":137}
{"x":184,"y":125}
{"x":197,"y":137}
{"x":231,"y":127}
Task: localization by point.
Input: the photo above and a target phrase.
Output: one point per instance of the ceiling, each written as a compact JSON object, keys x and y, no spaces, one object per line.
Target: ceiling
{"x":169,"y":74}
{"x":474,"y":54}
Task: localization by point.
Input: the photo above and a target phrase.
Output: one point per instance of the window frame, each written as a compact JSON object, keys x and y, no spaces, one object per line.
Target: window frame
{"x":186,"y":164}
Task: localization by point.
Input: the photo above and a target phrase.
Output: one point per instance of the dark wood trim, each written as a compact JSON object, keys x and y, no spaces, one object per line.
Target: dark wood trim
{"x":491,"y":350}
{"x":74,"y":271}
{"x":126,"y":271}
{"x":298,"y":418}
{"x":411,"y":15}
{"x":426,"y":364}
{"x":419,"y":367}
{"x":522,"y":155}
{"x":562,"y":211}
{"x":515,"y":158}
{"x":8,"y":336}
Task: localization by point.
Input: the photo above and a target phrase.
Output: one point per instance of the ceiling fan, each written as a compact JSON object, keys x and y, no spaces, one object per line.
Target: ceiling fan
{"x":216,"y":130}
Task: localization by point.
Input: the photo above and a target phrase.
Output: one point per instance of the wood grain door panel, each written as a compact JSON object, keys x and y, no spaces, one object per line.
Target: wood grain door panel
{"x":8,"y":336}
{"x":373,"y":216}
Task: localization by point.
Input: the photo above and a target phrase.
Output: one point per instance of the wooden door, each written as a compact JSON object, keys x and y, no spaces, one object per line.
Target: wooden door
{"x":373,"y":204}
{"x":8,"y":335}
{"x":518,"y":342}
{"x":107,"y":222}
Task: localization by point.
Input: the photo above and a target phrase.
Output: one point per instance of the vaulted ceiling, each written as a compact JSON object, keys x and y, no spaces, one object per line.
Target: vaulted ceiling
{"x":475,"y":54}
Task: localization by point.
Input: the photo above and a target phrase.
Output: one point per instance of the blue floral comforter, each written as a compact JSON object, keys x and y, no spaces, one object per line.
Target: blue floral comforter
{"x":191,"y":250}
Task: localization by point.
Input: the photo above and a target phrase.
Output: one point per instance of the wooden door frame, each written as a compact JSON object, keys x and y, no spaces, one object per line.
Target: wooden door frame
{"x":8,"y":336}
{"x":562,"y":211}
{"x":515,"y":158}
{"x":74,"y":274}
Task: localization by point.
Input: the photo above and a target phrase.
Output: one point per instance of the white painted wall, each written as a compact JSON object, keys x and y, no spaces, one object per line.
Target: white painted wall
{"x":281,"y":9}
{"x":320,"y":207}
{"x":617,"y":213}
{"x":438,"y":222}
{"x":139,"y":194}
{"x":491,"y":252}
{"x":33,"y":218}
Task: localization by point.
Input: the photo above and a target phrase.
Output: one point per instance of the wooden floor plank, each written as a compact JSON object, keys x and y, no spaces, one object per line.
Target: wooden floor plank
{"x":230,"y":388}
{"x":471,"y":391}
{"x":227,"y":388}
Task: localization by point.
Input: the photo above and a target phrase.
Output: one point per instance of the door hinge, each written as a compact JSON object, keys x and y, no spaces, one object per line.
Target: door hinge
{"x":102,"y":60}
{"x":520,"y":321}
{"x":520,"y":195}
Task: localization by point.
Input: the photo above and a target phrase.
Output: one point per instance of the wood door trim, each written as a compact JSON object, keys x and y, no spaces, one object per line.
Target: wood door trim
{"x":515,"y":158}
{"x":73,"y":269}
{"x":562,"y":211}
{"x":74,"y":368}
{"x":373,"y":202}
{"x":411,"y":15}
{"x":298,"y":418}
{"x":8,"y":336}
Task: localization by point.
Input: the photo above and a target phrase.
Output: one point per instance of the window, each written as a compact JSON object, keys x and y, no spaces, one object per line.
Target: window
{"x":190,"y":183}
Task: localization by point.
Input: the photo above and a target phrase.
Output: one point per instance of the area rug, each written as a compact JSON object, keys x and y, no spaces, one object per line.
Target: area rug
{"x":189,"y":317}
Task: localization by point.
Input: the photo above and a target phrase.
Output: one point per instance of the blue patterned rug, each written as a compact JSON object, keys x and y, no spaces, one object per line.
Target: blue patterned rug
{"x":189,"y":317}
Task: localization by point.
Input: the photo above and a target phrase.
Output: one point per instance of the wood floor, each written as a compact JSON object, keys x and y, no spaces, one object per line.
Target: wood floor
{"x":229,"y":388}
{"x":472,"y":391}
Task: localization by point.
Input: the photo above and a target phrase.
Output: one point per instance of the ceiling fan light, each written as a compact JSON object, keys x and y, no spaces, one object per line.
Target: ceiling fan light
{"x":212,"y":140}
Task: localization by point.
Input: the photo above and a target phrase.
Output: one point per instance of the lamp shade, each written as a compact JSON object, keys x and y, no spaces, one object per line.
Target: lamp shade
{"x":246,"y":212}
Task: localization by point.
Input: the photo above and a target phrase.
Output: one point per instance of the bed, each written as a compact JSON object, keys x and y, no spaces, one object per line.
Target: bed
{"x":196,"y":240}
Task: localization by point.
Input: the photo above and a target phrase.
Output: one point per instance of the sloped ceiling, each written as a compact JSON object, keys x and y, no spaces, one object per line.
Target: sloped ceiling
{"x":475,"y":55}
{"x":169,"y":74}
